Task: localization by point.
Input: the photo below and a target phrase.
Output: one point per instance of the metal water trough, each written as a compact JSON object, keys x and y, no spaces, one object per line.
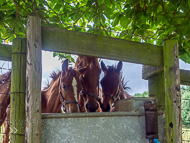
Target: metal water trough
{"x":115,"y":127}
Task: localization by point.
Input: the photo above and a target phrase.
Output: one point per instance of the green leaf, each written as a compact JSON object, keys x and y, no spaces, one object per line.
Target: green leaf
{"x":116,"y":21}
{"x":180,"y":21}
{"x":108,"y":10}
{"x":159,"y":9}
{"x":55,"y":54}
{"x":6,"y":8}
{"x":57,"y":7}
{"x":2,"y":1}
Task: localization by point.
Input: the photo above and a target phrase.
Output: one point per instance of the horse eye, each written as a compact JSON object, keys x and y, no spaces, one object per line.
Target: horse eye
{"x":64,"y":86}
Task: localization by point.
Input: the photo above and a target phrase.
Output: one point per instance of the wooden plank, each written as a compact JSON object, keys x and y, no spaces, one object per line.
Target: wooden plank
{"x":33,"y":81}
{"x":18,"y":89}
{"x":61,"y":40}
{"x":5,"y":52}
{"x":172,"y":92}
{"x":156,"y":89}
{"x":148,"y":71}
{"x":185,"y":77}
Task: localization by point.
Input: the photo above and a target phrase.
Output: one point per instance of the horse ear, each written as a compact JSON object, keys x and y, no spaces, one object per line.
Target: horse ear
{"x":119,"y":66}
{"x":65,"y":65}
{"x":82,"y":70}
{"x":103,"y":66}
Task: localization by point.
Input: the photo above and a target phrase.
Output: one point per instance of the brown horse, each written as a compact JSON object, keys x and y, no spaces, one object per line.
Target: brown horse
{"x":112,"y":86}
{"x":60,"y":91}
{"x":5,"y":87}
{"x":88,"y":83}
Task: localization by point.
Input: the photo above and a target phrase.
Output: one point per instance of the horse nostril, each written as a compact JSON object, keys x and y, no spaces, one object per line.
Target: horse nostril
{"x":106,"y":108}
{"x":97,"y":105}
{"x":87,"y":106}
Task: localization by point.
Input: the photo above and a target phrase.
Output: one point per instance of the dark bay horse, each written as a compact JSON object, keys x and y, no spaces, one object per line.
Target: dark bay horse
{"x":88,"y":83}
{"x":112,"y":86}
{"x":60,"y":91}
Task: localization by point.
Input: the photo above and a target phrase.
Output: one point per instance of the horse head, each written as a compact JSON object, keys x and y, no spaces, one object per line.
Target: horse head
{"x":111,"y":86}
{"x":60,"y":92}
{"x":89,"y":78}
{"x":67,"y":86}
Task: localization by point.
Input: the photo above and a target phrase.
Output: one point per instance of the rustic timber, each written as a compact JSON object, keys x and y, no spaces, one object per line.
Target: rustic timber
{"x":149,"y":71}
{"x":18,"y":89}
{"x":172,"y":92}
{"x":156,"y":88}
{"x":33,"y":81}
{"x":5,"y":52}
{"x":185,"y":77}
{"x":61,"y":40}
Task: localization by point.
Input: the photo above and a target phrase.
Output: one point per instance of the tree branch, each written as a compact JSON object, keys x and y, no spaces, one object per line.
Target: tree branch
{"x":83,"y":13}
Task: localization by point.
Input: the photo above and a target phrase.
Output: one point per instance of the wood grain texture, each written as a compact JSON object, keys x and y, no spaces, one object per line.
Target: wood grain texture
{"x":33,"y":81}
{"x":5,"y":52}
{"x":172,"y":92}
{"x":65,"y":41}
{"x":185,"y":77}
{"x":18,"y":89}
{"x":156,"y":88}
{"x":149,"y":71}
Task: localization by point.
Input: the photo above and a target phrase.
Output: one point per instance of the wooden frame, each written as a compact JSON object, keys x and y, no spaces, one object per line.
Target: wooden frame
{"x":44,"y":38}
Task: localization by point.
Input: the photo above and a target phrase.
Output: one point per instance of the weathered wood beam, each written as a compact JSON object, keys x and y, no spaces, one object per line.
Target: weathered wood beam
{"x":185,"y":77}
{"x":33,"y":81}
{"x":61,"y":40}
{"x":18,"y":89}
{"x":149,"y":71}
{"x":156,"y":88}
{"x":5,"y":52}
{"x":172,"y":92}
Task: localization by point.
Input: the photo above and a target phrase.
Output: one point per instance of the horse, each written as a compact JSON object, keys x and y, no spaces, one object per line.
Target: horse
{"x":5,"y":88}
{"x":59,"y":92}
{"x":88,"y":83}
{"x":113,"y":88}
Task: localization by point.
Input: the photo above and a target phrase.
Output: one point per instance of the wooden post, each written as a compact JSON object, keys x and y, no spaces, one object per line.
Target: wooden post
{"x":33,"y":81}
{"x":172,"y":92}
{"x":18,"y":89}
{"x":156,"y":89}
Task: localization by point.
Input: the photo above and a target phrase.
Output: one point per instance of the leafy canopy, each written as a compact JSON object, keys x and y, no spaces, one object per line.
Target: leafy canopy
{"x":149,"y":21}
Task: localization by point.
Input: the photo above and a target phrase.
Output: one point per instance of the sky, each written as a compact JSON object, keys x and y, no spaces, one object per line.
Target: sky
{"x":131,"y":72}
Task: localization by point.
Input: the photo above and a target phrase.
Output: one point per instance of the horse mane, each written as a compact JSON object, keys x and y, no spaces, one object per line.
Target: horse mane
{"x":124,"y":83}
{"x":54,"y":75}
{"x":5,"y":76}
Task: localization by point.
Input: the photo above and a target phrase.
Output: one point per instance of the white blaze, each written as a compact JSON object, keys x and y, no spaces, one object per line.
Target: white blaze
{"x":74,"y":84}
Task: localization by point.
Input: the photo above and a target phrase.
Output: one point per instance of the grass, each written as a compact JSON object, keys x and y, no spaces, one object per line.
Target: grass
{"x":186,"y":135}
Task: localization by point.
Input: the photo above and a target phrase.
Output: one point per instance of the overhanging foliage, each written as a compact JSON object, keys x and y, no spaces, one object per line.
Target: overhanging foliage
{"x":149,"y":21}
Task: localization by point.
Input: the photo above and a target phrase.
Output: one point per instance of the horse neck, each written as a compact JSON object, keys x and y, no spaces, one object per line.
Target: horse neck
{"x":50,"y":98}
{"x":5,"y":89}
{"x":123,"y":94}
